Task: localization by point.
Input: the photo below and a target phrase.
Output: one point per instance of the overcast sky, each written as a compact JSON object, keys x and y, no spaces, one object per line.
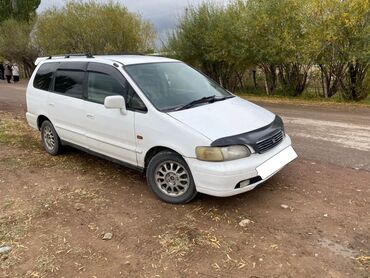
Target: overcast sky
{"x":162,"y":13}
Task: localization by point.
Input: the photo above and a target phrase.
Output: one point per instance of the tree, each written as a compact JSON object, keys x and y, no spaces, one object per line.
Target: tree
{"x":15,"y":43}
{"x":16,"y":23}
{"x":206,"y":37}
{"x":22,"y":10}
{"x":342,"y":37}
{"x":327,"y":34}
{"x":278,"y":34}
{"x":356,"y":50}
{"x":256,"y":37}
{"x":92,"y":27}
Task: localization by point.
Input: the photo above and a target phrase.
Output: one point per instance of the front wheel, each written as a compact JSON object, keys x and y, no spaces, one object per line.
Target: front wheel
{"x":50,"y":138}
{"x":170,"y":178}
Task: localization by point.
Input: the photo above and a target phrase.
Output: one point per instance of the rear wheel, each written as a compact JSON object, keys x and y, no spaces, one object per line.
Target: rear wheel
{"x":50,"y":138}
{"x":170,"y":178}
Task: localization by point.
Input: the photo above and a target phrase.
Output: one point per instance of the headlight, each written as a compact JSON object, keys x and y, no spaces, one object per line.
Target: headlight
{"x":222,"y":153}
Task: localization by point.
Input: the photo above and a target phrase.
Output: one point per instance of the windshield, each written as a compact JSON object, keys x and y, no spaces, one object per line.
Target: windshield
{"x":171,"y":86}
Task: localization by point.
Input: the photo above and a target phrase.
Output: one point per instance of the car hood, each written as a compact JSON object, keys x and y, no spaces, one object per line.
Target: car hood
{"x":224,"y":118}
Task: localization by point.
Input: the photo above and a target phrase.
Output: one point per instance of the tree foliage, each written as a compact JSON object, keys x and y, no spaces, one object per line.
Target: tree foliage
{"x":341,"y":35}
{"x":285,"y":39}
{"x":278,"y":34}
{"x":92,"y":27}
{"x":16,"y":23}
{"x":203,"y":37}
{"x":15,"y":43}
{"x":22,"y":10}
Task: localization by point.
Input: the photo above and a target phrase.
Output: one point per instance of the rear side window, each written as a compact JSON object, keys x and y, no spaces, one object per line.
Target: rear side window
{"x":44,"y":76}
{"x":101,"y":85}
{"x":69,"y":82}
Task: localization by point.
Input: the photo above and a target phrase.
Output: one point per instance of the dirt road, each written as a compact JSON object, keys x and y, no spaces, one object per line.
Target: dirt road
{"x":310,"y":220}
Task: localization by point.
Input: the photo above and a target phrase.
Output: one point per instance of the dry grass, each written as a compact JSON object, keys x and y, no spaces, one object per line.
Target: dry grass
{"x":19,"y":218}
{"x":15,"y":132}
{"x":182,"y":237}
{"x":15,"y":222}
{"x":23,"y":150}
{"x":15,"y":219}
{"x":188,"y":236}
{"x":365,"y":260}
{"x":212,"y":213}
{"x":54,"y":247}
{"x":45,"y":264}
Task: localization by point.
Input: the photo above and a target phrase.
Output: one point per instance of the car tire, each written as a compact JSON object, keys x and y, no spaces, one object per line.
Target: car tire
{"x":170,"y":178}
{"x":50,"y":138}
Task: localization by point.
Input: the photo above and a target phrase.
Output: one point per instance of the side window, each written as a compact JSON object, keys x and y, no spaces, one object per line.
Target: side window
{"x":69,"y":83}
{"x":101,"y":85}
{"x":44,"y":76}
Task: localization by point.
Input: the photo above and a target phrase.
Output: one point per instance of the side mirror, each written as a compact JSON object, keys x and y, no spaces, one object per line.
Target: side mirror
{"x":116,"y":102}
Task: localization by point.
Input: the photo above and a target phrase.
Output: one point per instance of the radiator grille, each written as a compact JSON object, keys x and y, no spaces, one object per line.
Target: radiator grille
{"x":269,"y":143}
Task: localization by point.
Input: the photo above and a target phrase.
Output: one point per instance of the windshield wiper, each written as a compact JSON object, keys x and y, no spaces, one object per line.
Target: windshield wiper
{"x":197,"y":101}
{"x":222,"y":98}
{"x":209,"y":99}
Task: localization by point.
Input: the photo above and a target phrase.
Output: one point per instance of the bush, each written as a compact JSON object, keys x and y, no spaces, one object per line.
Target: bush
{"x":92,"y":27}
{"x":285,"y":39}
{"x":15,"y":43}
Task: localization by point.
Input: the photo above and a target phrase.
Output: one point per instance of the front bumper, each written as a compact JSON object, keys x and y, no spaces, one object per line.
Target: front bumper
{"x":221,"y":178}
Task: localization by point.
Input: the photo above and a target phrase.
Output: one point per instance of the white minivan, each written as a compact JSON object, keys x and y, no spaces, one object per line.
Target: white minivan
{"x":158,"y":115}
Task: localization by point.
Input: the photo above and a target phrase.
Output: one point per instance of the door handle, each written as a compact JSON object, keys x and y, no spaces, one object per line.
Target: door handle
{"x":90,"y":116}
{"x":51,"y":104}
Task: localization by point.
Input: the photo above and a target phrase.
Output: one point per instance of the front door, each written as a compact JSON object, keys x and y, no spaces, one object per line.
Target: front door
{"x":108,"y":131}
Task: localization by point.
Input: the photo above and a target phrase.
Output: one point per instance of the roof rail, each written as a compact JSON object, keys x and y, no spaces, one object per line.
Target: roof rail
{"x":87,"y":55}
{"x":122,"y":53}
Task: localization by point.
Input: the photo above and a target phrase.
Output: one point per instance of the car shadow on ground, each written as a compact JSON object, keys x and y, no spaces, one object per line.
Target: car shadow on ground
{"x":92,"y":161}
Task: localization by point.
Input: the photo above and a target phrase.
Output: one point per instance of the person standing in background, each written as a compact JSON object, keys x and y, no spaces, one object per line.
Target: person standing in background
{"x":2,"y":71}
{"x":8,"y":72}
{"x":15,"y":72}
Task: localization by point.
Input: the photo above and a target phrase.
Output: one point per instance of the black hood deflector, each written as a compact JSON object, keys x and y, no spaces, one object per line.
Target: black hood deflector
{"x":251,"y":138}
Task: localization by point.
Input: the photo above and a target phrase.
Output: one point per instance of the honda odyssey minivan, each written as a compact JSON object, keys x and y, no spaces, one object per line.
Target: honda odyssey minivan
{"x":160,"y":116}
